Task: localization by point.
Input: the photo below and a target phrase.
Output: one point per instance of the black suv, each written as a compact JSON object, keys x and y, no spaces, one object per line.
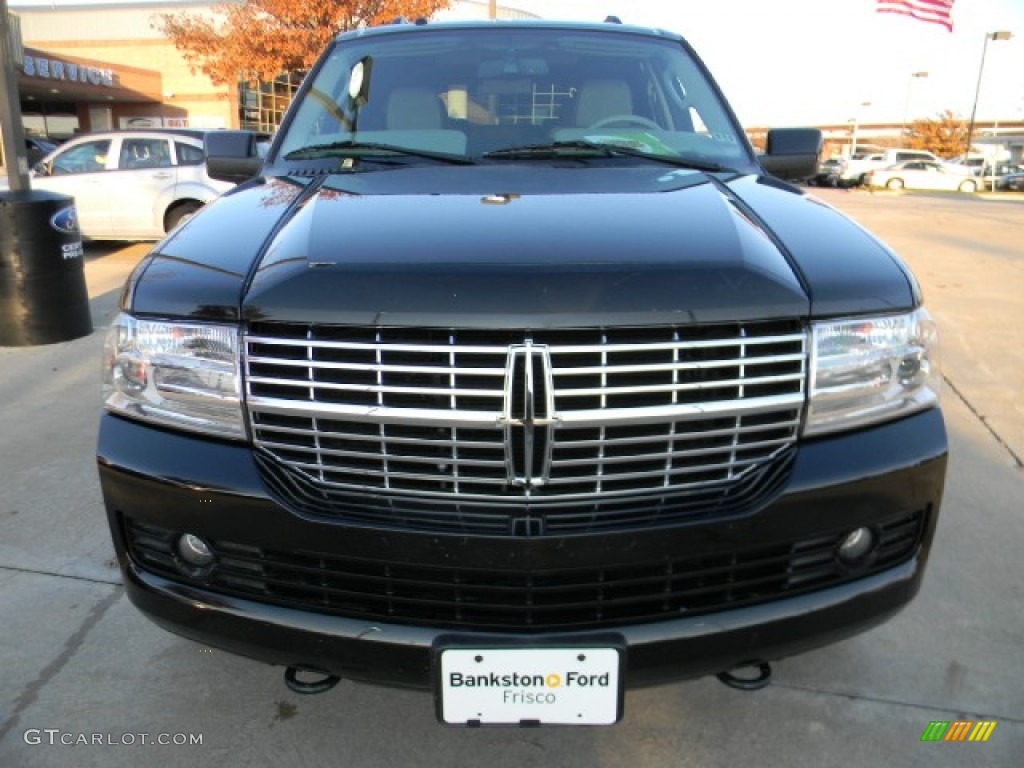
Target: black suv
{"x":511,"y":374}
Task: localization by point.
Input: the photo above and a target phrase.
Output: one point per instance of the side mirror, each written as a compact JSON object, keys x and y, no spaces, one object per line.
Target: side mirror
{"x":232,"y":155}
{"x":792,"y":153}
{"x":40,"y":169}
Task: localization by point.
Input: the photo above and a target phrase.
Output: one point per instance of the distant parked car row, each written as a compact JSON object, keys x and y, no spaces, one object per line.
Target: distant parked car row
{"x":129,"y":185}
{"x":920,"y":170}
{"x":1011,"y":182}
{"x":852,"y":172}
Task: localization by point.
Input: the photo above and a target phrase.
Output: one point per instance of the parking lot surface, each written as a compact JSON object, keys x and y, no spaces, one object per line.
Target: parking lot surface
{"x":87,"y":681}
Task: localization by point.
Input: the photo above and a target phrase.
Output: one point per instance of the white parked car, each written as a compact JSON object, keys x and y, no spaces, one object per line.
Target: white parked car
{"x":130,"y":185}
{"x":920,"y":174}
{"x":854,"y":171}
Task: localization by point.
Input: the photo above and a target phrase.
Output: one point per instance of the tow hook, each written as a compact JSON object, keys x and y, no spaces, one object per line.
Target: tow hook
{"x":309,"y":687}
{"x":746,"y":682}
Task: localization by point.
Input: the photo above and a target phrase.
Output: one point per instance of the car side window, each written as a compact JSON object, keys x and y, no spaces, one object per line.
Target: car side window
{"x":188,"y":154}
{"x":144,"y":153}
{"x":87,"y":157}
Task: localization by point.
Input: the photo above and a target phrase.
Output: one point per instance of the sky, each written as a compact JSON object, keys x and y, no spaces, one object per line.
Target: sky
{"x":789,"y":62}
{"x":803,"y":62}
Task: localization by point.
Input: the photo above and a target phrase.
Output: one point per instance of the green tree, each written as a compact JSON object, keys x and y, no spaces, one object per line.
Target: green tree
{"x":944,"y":135}
{"x":261,"y":39}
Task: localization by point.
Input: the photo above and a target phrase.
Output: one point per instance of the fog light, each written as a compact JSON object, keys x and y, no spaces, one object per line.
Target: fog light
{"x":856,"y":545}
{"x":194,"y":551}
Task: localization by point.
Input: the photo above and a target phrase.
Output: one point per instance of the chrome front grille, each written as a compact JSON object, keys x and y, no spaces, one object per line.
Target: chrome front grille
{"x":524,"y":432}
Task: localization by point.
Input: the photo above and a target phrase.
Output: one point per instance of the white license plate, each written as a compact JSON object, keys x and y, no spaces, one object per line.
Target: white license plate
{"x":530,"y":686}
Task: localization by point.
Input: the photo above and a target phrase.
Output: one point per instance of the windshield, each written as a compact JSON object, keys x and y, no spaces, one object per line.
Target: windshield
{"x":474,"y":92}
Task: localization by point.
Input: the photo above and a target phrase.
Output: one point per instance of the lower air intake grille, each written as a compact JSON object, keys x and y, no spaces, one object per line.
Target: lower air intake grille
{"x":440,"y":596}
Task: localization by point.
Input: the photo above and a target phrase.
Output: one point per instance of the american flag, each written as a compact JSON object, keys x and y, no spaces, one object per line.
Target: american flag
{"x":932,"y":11}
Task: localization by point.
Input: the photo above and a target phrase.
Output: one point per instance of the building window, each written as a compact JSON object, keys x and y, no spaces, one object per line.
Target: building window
{"x":53,"y":120}
{"x":262,"y":106}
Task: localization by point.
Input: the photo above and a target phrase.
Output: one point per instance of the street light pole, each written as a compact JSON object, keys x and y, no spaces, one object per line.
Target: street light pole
{"x":1001,"y":35}
{"x":853,"y":137}
{"x":15,"y":156}
{"x":906,"y":104}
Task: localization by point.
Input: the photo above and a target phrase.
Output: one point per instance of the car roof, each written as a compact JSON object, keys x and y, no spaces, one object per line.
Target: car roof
{"x":192,"y":133}
{"x":612,"y":25}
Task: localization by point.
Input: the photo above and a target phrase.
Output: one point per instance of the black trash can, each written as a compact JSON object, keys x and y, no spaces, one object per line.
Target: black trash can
{"x":43,"y":296}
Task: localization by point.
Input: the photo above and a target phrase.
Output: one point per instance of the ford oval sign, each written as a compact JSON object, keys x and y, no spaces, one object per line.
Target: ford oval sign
{"x":65,"y":220}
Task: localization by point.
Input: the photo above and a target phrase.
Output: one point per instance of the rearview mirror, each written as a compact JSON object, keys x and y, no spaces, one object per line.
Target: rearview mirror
{"x":792,"y":153}
{"x":232,"y":155}
{"x":359,"y":81}
{"x":511,"y":66}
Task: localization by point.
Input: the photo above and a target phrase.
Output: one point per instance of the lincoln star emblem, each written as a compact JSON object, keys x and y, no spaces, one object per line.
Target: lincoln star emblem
{"x":528,"y":414}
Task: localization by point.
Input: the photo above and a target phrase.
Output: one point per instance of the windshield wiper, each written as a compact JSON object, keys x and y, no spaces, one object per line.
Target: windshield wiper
{"x":601,"y":149}
{"x":351,"y":148}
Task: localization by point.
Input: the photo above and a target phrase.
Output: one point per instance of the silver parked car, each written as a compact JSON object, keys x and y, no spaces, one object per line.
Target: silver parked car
{"x":130,"y":185}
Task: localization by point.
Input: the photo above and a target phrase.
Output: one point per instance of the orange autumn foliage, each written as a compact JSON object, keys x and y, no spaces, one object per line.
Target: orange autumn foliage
{"x":945,"y":136}
{"x":261,"y":39}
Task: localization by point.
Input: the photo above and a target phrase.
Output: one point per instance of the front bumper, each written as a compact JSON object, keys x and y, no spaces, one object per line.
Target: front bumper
{"x":182,"y":483}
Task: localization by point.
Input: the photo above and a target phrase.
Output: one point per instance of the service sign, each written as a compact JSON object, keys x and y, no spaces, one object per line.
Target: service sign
{"x":57,"y":69}
{"x":530,"y":686}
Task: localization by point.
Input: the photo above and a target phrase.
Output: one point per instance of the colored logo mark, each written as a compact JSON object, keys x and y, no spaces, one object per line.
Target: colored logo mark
{"x":958,"y":730}
{"x":65,"y":220}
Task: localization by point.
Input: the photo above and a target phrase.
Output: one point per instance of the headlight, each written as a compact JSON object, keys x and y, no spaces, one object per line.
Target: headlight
{"x":182,"y":375}
{"x":872,"y":369}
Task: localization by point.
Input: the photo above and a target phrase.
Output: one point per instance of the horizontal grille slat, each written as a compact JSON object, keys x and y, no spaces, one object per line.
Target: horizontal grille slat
{"x":378,"y":439}
{"x":374,"y":473}
{"x":675,"y":346}
{"x":750,"y":381}
{"x":678,"y":437}
{"x":670,"y":367}
{"x":528,"y":600}
{"x":305,"y":341}
{"x":335,"y":366}
{"x":419,"y":416}
{"x":655,"y":456}
{"x":654,"y":473}
{"x":371,"y":456}
{"x":367,"y":388}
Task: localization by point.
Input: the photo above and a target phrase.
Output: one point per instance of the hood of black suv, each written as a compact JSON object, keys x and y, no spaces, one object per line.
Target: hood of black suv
{"x":496,"y":258}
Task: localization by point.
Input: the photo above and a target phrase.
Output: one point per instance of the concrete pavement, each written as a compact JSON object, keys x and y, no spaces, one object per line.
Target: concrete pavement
{"x":78,"y":661}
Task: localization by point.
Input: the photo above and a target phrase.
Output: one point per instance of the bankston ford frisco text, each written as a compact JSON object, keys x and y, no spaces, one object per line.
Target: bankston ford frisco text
{"x":512,"y":681}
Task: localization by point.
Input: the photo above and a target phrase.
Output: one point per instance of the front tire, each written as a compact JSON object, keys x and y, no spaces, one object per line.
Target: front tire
{"x":894,"y":184}
{"x":179,"y":212}
{"x":968,"y":186}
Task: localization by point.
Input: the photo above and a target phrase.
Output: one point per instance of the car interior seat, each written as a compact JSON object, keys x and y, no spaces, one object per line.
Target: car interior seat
{"x":600,"y":99}
{"x":414,"y":109}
